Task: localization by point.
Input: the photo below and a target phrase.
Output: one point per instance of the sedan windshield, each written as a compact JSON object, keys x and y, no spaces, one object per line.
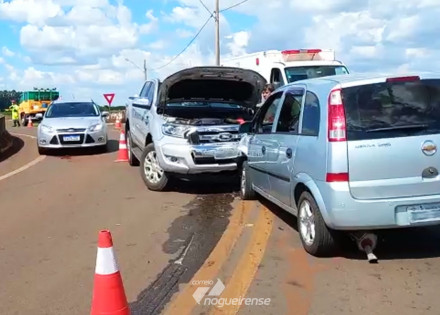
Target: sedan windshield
{"x":308,"y":72}
{"x":72,"y":110}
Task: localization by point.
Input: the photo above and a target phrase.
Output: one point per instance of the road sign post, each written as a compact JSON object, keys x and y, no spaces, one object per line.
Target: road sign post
{"x":109,"y":98}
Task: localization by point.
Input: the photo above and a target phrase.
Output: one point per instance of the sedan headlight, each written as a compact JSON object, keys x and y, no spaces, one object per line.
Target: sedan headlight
{"x":95,"y":127}
{"x":46,"y":129}
{"x":178,"y":131}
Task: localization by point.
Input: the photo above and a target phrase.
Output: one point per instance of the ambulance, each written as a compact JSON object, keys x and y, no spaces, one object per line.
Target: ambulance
{"x":286,"y":66}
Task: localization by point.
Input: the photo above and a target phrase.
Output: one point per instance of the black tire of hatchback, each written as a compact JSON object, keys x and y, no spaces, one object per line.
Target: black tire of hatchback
{"x":163,"y":182}
{"x":132,"y":160}
{"x":324,"y":243}
{"x":246,"y":191}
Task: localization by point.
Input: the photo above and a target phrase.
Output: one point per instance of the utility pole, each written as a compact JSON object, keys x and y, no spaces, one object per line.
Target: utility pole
{"x":217,"y":32}
{"x":145,"y":69}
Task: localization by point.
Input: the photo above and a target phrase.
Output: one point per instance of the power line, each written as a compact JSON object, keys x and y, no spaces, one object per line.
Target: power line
{"x":234,"y":5}
{"x":207,"y":9}
{"x":186,"y":47}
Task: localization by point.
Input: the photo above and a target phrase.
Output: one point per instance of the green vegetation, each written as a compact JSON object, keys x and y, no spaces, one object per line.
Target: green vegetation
{"x":6,"y":97}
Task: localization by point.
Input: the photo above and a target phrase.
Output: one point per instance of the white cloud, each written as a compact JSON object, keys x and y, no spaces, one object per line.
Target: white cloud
{"x":30,"y":11}
{"x":7,"y":52}
{"x":239,"y":42}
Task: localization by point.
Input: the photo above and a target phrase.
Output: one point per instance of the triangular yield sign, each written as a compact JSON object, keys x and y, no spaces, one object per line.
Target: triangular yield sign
{"x":109,"y":97}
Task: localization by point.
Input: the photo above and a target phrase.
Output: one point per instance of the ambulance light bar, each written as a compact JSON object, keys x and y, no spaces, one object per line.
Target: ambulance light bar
{"x":307,"y":55}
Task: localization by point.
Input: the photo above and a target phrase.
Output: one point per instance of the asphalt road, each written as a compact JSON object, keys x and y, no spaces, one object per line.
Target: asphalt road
{"x":52,"y":212}
{"x":52,"y":209}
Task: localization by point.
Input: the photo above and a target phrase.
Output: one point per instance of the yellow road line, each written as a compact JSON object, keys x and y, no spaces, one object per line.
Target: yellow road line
{"x":185,"y":303}
{"x":247,"y":267}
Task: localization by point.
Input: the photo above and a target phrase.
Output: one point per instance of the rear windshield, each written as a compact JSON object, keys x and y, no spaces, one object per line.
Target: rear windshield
{"x":389,"y":110}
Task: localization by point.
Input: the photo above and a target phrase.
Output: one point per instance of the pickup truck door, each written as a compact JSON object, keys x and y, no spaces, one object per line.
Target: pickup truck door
{"x":139,"y":108}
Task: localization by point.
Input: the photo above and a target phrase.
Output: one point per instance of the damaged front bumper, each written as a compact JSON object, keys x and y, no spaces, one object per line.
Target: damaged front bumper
{"x":185,"y":158}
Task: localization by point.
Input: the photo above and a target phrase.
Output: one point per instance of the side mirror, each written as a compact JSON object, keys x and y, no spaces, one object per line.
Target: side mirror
{"x":142,"y":102}
{"x":245,"y":127}
{"x":133,"y":97}
{"x":276,"y":85}
{"x":105,"y":114}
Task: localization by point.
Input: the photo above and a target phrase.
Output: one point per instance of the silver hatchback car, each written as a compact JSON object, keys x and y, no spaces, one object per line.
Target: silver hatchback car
{"x":72,"y":124}
{"x":350,"y":152}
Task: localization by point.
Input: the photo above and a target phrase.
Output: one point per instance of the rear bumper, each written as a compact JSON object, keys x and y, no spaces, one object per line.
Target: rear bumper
{"x":343,"y":212}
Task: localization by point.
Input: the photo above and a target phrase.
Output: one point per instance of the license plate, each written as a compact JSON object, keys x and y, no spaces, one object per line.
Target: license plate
{"x":71,"y":138}
{"x":424,"y":213}
{"x":225,"y":153}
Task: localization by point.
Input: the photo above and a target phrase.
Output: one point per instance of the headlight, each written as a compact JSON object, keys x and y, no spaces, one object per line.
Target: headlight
{"x":175,"y":130}
{"x":46,"y":129}
{"x":96,"y":127}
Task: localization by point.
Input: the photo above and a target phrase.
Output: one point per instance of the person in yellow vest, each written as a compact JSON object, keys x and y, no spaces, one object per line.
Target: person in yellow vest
{"x":15,"y":115}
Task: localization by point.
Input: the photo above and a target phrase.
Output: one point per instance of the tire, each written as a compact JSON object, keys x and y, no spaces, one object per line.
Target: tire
{"x":42,"y":151}
{"x":132,"y":160}
{"x":156,"y":180}
{"x":323,"y":243}
{"x":246,"y":191}
{"x":102,"y":149}
{"x":24,"y":121}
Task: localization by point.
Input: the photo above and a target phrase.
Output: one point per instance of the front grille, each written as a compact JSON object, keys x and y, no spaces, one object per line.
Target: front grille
{"x":81,"y":139}
{"x":54,"y":140}
{"x":72,"y":130}
{"x":89,"y":139}
{"x":219,"y":137}
{"x":214,"y":134}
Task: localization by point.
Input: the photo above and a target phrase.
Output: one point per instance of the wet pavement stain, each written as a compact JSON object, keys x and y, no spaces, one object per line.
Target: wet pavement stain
{"x":192,"y":237}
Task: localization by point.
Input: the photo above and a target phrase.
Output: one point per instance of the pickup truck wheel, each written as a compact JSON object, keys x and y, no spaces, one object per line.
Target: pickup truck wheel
{"x":152,"y":174}
{"x":132,"y":160}
{"x":246,"y":191}
{"x":24,"y":120}
{"x":317,"y":239}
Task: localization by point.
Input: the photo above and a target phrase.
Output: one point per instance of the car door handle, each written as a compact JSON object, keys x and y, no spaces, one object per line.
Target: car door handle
{"x":289,"y":153}
{"x":263,"y":149}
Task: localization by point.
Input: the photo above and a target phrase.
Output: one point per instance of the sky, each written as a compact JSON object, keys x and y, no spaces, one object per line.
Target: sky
{"x":86,"y":48}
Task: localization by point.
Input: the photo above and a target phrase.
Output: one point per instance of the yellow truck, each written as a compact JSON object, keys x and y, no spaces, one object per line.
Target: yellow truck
{"x":33,"y":104}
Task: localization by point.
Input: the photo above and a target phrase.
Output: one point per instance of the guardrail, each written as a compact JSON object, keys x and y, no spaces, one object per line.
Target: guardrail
{"x":2,"y":124}
{"x":5,"y":137}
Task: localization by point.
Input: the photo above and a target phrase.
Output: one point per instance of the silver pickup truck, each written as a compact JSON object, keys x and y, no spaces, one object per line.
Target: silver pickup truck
{"x":188,"y":124}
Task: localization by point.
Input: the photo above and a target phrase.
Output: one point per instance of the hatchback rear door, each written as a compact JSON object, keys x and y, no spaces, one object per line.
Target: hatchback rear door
{"x":393,"y":133}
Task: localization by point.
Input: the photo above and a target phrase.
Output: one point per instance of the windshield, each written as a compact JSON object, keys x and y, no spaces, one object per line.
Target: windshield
{"x":387,"y":110}
{"x":308,"y":72}
{"x":72,"y":110}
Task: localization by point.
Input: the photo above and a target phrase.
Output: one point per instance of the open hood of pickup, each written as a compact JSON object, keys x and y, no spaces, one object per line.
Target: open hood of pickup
{"x":215,"y":84}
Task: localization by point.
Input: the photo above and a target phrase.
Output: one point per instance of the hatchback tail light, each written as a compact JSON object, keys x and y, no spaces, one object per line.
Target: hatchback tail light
{"x":336,"y":177}
{"x":336,"y":117}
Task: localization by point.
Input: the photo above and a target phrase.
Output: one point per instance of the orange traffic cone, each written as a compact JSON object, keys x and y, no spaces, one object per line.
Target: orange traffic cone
{"x":108,"y":290}
{"x":123,"y":151}
{"x":30,"y":124}
{"x":118,"y":124}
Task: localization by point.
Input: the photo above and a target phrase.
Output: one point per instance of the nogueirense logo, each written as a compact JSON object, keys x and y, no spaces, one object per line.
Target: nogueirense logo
{"x":212,"y":293}
{"x":200,"y":292}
